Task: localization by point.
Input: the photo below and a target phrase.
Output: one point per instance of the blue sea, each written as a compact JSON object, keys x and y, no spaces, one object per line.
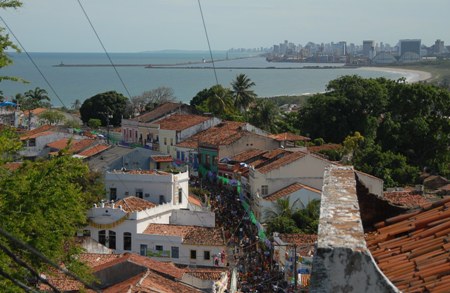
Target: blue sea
{"x":82,"y":82}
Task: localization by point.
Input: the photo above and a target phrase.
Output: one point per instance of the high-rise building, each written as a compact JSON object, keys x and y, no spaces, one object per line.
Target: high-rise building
{"x":439,"y":47}
{"x":369,"y":48}
{"x":409,"y":45}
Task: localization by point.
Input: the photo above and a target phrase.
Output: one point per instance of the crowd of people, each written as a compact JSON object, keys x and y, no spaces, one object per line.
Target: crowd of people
{"x":250,"y":256}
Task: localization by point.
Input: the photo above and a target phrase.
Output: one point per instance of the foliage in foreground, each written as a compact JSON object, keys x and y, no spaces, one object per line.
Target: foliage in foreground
{"x":44,"y":204}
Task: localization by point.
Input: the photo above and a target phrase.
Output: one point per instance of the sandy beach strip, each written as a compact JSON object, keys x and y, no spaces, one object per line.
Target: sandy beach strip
{"x":410,"y":75}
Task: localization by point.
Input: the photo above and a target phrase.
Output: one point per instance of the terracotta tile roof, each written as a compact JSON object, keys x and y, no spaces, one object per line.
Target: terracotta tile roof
{"x":96,"y":259}
{"x":247,"y":155}
{"x":190,"y":234}
{"x":35,"y":132}
{"x":289,"y":136}
{"x":288,"y":190}
{"x":91,"y":151}
{"x":155,"y":283}
{"x":305,"y":242}
{"x":164,"y":268}
{"x":325,"y":147}
{"x":158,"y":112}
{"x":194,"y":200}
{"x":181,"y":121}
{"x":413,"y":249}
{"x":132,"y":204}
{"x":217,"y":135}
{"x":39,"y":111}
{"x":162,"y":158}
{"x":75,"y":145}
{"x":284,"y":160}
{"x":213,"y":274}
{"x":272,"y":154}
{"x":406,"y":199}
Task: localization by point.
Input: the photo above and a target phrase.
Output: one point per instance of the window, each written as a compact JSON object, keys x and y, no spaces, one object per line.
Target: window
{"x":264,"y":190}
{"x":208,"y":160}
{"x":113,"y":193}
{"x":143,"y":250}
{"x":162,"y":199}
{"x":158,"y":247}
{"x":206,"y":255}
{"x":180,"y":195}
{"x":32,"y":142}
{"x":175,"y":252}
{"x":171,"y":141}
{"x":102,"y":237}
{"x":139,"y":193}
{"x":112,"y":240}
{"x":182,"y":156}
{"x":178,"y":155}
{"x":165,"y":140}
{"x":193,"y":254}
{"x":127,"y":241}
{"x":168,"y":149}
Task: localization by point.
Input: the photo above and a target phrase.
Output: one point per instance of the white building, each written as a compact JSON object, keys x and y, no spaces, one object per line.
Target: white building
{"x":156,"y":186}
{"x":160,"y":231}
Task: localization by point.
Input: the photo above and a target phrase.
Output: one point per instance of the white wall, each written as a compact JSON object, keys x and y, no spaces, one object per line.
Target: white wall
{"x":193,"y":218}
{"x":247,"y":142}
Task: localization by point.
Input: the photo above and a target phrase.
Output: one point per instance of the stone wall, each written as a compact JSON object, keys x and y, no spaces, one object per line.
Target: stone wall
{"x":342,"y":262}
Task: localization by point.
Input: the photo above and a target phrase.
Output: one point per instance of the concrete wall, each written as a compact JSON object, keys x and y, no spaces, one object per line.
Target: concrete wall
{"x":342,"y":262}
{"x":192,"y":218}
{"x":247,"y":142}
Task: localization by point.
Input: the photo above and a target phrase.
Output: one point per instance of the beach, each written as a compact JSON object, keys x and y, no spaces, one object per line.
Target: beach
{"x":410,"y":75}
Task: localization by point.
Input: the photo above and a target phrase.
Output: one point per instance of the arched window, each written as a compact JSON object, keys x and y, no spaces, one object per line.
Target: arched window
{"x":127,"y":241}
{"x":112,"y":240}
{"x":102,"y":237}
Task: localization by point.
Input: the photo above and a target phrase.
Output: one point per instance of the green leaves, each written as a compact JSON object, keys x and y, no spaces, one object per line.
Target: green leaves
{"x":100,"y":106}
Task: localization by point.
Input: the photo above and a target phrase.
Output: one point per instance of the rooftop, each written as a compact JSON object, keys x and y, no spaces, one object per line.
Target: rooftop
{"x":132,"y":204}
{"x":161,"y":159}
{"x":289,"y":190}
{"x":289,"y":136}
{"x":37,"y":132}
{"x":91,"y":151}
{"x":190,"y":234}
{"x":406,"y":199}
{"x":158,"y":112}
{"x":413,"y":249}
{"x":287,"y":158}
{"x":247,"y":155}
{"x":75,"y":146}
{"x":180,"y":122}
{"x":304,"y":242}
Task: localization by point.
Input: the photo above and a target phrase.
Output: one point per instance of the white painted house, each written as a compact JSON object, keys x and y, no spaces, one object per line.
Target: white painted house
{"x":156,"y":186}
{"x":163,"y":231}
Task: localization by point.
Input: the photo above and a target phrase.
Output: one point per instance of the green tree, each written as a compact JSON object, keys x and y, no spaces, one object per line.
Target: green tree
{"x":9,"y":144}
{"x":282,"y":224}
{"x":242,"y":93}
{"x":307,"y":219}
{"x":283,"y":208}
{"x":94,"y":123}
{"x":52,"y":117}
{"x":265,"y":115}
{"x":216,"y":100}
{"x":100,"y":106}
{"x":44,"y":204}
{"x":36,"y":98}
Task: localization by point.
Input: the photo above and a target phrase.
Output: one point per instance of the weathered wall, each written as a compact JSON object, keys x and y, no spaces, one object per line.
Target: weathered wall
{"x":342,"y":262}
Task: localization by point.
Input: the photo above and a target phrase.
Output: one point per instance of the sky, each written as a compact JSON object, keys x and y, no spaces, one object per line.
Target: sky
{"x":151,"y":25}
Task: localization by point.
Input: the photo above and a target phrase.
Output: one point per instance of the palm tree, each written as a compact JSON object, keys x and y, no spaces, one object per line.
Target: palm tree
{"x":283,"y":208}
{"x":242,"y":94}
{"x":219,"y":100}
{"x":265,"y":115}
{"x":36,"y":97}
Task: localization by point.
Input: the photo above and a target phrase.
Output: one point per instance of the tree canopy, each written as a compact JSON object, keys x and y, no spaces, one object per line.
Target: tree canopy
{"x":407,"y":120}
{"x":100,"y":106}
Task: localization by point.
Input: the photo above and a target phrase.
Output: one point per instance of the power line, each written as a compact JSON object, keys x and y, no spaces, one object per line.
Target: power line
{"x":104,"y":49}
{"x":17,"y":282}
{"x":32,"y":61}
{"x":44,"y":258}
{"x":209,"y":45}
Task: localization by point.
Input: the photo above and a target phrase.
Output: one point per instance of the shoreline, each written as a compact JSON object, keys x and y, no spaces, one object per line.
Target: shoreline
{"x":411,"y":75}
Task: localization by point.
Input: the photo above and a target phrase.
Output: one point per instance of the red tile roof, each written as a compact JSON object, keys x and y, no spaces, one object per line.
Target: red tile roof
{"x":181,"y":121}
{"x":194,"y":200}
{"x":75,"y":145}
{"x":406,"y":199}
{"x":91,"y":151}
{"x":247,"y":155}
{"x":413,"y":249}
{"x":162,"y":158}
{"x":134,"y":204}
{"x":158,"y":112}
{"x":190,"y":234}
{"x":282,"y":161}
{"x":305,"y":242}
{"x":289,"y":190}
{"x":224,"y":133}
{"x":289,"y":136}
{"x":207,"y":273}
{"x":36,"y":132}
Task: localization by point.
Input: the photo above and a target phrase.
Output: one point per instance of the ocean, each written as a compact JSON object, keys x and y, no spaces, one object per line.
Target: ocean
{"x":191,"y":76}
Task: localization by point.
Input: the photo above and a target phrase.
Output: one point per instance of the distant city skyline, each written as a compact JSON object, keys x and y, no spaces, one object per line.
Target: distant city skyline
{"x":142,"y":25}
